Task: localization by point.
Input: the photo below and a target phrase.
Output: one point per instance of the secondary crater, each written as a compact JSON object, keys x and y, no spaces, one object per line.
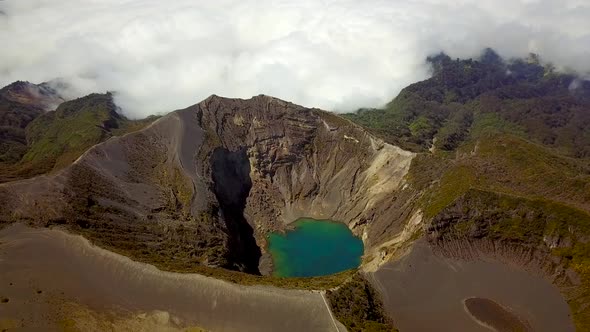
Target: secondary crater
{"x":494,"y":316}
{"x":314,"y":248}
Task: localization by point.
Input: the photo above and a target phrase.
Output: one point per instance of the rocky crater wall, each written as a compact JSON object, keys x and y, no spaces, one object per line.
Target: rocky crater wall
{"x":309,"y":163}
{"x":206,"y":184}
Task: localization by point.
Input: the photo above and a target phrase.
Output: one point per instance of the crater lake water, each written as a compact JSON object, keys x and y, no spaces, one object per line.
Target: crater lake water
{"x":314,"y":248}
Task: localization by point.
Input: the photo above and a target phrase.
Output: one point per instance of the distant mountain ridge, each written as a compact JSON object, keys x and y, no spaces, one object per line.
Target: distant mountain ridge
{"x":520,"y":96}
{"x":21,"y":103}
{"x":41,"y":132}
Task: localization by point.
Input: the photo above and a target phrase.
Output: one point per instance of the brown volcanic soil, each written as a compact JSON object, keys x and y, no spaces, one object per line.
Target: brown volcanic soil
{"x":425,"y":292}
{"x":53,"y":280}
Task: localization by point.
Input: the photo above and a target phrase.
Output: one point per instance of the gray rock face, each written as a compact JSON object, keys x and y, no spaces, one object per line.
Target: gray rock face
{"x":305,"y":162}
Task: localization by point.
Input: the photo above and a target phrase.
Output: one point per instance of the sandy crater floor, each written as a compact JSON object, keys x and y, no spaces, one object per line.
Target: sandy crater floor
{"x":424,"y":292}
{"x":53,"y":280}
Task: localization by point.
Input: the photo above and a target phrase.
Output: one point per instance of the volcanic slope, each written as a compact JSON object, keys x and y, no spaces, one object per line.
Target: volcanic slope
{"x":204,"y":185}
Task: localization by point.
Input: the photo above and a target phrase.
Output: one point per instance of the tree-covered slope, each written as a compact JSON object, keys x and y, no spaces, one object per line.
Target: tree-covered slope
{"x":520,"y":96}
{"x":58,"y":138}
{"x":52,"y":140}
{"x":505,"y":159}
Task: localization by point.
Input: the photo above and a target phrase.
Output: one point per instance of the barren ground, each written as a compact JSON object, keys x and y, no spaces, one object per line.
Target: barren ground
{"x":55,"y":280}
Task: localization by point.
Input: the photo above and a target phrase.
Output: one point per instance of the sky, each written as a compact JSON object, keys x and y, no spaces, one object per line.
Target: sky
{"x":338,"y":55}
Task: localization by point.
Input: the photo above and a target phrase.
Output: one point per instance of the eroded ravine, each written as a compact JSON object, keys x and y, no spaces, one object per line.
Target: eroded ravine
{"x":231,"y":185}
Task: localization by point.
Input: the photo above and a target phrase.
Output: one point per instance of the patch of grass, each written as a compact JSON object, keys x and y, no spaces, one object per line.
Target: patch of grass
{"x":179,"y":188}
{"x":486,"y":123}
{"x":509,"y":164}
{"x":358,"y":306}
{"x":500,"y":163}
{"x":63,"y":135}
{"x":513,"y":218}
{"x":454,"y":182}
{"x":71,"y":128}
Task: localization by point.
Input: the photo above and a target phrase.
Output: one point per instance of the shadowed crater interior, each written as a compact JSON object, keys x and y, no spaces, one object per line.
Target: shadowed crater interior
{"x":231,"y":185}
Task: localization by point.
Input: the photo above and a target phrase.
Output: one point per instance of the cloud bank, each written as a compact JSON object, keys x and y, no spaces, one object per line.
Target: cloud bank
{"x":334,"y":54}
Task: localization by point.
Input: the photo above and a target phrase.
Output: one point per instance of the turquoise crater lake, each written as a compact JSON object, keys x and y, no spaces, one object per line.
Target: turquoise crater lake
{"x":314,"y":248}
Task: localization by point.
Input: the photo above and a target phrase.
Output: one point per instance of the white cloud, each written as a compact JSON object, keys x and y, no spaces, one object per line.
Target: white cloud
{"x":334,"y":54}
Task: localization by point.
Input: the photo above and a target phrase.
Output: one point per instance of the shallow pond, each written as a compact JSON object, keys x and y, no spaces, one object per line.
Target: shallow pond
{"x":314,"y":248}
{"x":491,"y":314}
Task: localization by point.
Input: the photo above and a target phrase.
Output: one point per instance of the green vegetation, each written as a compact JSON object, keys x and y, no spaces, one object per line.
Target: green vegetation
{"x":16,"y":112}
{"x":532,"y":224}
{"x":58,"y":138}
{"x":179,"y":188}
{"x":465,"y":96}
{"x":55,"y":139}
{"x":357,"y":305}
{"x":453,"y":183}
{"x":514,"y":219}
{"x":501,"y":163}
{"x":511,"y":161}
